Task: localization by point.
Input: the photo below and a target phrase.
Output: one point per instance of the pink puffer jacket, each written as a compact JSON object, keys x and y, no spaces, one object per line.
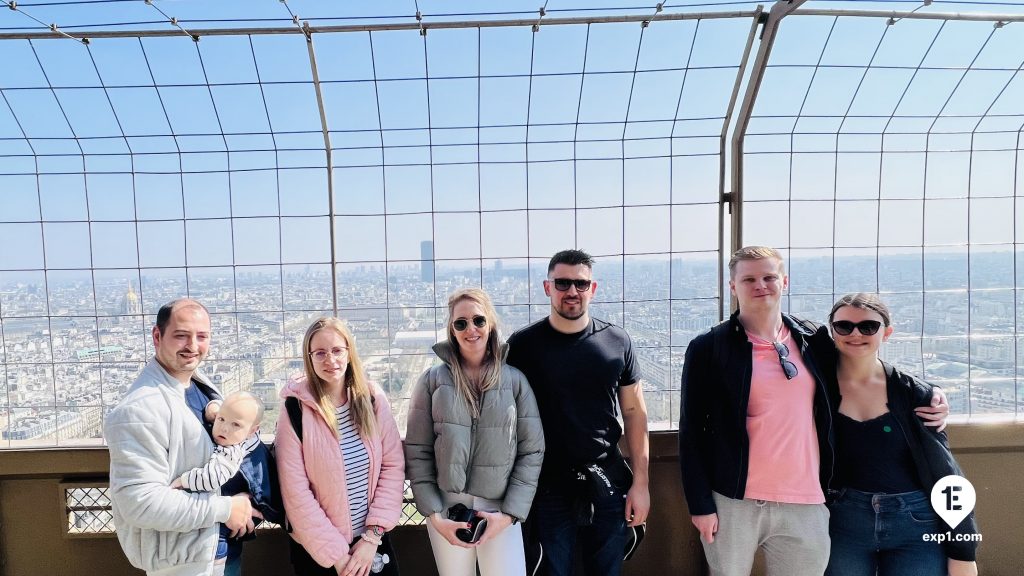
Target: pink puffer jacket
{"x":312,"y":476}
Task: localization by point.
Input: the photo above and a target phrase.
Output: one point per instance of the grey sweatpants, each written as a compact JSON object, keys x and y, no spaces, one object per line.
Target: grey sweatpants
{"x":794,"y":537}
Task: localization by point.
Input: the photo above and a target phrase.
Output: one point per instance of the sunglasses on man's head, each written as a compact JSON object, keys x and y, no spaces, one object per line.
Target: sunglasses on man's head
{"x":866,"y":327}
{"x":461,"y":323}
{"x":563,"y":284}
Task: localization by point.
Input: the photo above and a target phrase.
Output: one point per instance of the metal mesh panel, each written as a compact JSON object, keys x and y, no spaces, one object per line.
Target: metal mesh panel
{"x":891,"y":166}
{"x":87,"y":509}
{"x":410,"y":516}
{"x":262,"y":175}
{"x":280,"y":168}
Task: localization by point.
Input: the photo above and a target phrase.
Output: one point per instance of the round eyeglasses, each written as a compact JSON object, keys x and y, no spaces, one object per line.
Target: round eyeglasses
{"x":322,"y":355}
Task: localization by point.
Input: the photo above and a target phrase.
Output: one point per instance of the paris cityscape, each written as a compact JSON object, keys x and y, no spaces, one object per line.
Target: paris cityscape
{"x":74,"y":341}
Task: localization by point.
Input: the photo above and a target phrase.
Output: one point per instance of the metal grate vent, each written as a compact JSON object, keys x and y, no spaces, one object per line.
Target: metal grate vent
{"x":410,"y":516}
{"x":88,"y":513}
{"x":87,"y":509}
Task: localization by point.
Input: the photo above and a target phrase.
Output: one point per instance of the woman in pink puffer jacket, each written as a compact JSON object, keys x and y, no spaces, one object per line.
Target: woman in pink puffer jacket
{"x":342,"y":481}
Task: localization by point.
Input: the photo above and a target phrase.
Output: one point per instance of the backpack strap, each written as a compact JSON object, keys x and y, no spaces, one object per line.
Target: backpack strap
{"x":291,"y":404}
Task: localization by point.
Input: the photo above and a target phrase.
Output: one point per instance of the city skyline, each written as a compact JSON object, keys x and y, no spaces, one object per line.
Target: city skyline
{"x":257,"y":348}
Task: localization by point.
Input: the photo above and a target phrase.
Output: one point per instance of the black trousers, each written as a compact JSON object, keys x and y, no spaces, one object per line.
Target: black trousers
{"x":305,"y":565}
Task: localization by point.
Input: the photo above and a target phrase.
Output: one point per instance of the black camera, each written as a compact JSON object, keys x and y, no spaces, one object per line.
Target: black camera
{"x":477,"y":524}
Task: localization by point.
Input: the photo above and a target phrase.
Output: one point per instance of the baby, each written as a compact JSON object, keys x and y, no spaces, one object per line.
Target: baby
{"x":236,"y":423}
{"x":235,"y":426}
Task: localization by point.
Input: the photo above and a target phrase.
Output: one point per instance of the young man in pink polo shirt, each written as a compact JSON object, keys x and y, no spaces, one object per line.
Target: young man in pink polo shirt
{"x":756,"y":444}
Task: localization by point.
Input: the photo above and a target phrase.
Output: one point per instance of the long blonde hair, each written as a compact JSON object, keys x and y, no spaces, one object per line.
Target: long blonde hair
{"x":491,"y":369}
{"x":360,"y":400}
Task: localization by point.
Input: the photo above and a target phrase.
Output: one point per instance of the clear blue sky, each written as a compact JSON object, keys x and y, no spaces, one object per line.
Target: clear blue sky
{"x":158,"y":87}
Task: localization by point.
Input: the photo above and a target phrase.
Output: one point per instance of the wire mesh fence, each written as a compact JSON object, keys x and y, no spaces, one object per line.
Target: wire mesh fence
{"x":367,"y":168}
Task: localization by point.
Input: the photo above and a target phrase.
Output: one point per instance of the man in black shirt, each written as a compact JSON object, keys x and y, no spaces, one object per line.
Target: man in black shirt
{"x":583,"y":371}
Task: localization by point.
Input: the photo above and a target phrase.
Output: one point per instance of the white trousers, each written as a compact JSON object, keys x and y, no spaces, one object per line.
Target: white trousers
{"x":500,"y":556}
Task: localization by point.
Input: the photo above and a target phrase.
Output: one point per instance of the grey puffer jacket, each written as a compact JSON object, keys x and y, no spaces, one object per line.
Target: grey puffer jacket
{"x":496,"y":456}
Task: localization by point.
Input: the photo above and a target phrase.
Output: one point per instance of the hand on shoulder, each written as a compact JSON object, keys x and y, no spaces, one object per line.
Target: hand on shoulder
{"x":961,"y":568}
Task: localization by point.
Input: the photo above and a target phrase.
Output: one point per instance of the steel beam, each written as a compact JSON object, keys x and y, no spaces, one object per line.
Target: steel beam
{"x":973,"y":16}
{"x":638,"y":18}
{"x":778,"y":11}
{"x":771,"y":27}
{"x":723,"y":198}
{"x":330,"y":166}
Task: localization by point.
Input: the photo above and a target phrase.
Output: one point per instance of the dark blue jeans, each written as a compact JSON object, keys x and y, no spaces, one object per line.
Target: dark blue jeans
{"x":601,"y":543}
{"x":884,"y":533}
{"x":232,"y":551}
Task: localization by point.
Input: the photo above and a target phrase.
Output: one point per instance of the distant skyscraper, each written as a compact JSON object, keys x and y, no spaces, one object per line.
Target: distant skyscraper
{"x":427,"y":261}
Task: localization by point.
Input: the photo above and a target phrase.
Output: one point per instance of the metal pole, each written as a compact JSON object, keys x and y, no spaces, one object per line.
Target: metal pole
{"x":974,"y":17}
{"x":895,"y":15}
{"x":330,"y":167}
{"x":771,"y":27}
{"x":723,"y":196}
{"x":382,"y":27}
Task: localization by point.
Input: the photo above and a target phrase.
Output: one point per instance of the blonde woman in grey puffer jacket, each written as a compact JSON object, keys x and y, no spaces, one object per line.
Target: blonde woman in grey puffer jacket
{"x":474,"y":438}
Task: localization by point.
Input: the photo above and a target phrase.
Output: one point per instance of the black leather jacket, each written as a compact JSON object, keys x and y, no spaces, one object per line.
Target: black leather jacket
{"x":713,"y":443}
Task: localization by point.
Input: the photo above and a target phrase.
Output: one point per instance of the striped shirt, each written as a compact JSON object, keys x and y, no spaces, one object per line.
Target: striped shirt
{"x":357,"y":469}
{"x":222,"y":466}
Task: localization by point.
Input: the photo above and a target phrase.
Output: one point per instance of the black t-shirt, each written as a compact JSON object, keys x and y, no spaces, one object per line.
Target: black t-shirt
{"x":576,"y":379}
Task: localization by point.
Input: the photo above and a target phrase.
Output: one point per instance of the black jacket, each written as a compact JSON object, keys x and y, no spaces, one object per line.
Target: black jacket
{"x":713,"y":443}
{"x":930,"y":449}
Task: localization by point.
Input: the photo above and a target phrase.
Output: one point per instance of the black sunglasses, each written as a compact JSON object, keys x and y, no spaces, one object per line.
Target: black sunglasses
{"x":563,"y":284}
{"x":866,"y":327}
{"x":461,"y":324}
{"x":787,"y":365}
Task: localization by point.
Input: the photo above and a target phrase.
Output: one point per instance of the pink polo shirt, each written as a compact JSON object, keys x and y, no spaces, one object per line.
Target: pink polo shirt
{"x":784,"y":459}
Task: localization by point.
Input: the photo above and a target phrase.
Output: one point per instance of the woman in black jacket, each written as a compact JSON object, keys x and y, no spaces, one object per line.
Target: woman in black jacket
{"x":887,"y":460}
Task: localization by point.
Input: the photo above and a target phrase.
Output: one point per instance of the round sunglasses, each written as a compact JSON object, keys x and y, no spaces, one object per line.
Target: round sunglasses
{"x":461,"y":323}
{"x":866,"y":327}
